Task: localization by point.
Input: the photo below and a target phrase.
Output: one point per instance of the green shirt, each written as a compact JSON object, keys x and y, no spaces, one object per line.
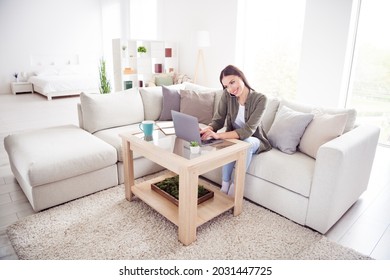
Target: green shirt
{"x":254,"y":109}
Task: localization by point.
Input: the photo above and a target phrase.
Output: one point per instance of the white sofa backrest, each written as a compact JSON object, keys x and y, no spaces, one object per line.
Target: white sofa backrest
{"x":268,"y":116}
{"x":312,"y":109}
{"x":101,"y":111}
{"x":152,"y":97}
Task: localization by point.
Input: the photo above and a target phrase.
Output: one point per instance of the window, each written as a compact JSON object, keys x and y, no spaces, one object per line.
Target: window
{"x":369,"y":89}
{"x":272,"y":33}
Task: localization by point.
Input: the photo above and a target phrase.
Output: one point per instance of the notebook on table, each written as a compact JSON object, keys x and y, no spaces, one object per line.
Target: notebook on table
{"x":187,"y":128}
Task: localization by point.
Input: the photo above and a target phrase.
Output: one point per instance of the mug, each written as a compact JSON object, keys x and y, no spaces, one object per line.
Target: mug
{"x":147,"y":128}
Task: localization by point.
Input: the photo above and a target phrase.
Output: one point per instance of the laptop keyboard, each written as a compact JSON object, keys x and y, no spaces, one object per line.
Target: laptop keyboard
{"x":207,"y":141}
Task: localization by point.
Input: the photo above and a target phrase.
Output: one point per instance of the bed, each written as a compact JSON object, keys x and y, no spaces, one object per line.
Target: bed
{"x":61,"y":78}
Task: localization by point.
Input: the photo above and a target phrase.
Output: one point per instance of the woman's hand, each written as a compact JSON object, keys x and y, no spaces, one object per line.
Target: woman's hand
{"x":208,"y":133}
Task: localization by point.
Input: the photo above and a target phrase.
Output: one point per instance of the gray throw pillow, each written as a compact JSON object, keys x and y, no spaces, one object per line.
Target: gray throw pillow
{"x":171,"y":101}
{"x":288,"y":128}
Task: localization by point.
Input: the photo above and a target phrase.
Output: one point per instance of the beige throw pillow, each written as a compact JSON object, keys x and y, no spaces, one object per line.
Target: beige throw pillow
{"x":196,"y":104}
{"x":102,"y":111}
{"x":323,"y":128}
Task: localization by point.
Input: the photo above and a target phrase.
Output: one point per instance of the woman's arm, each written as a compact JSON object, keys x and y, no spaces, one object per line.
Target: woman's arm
{"x":208,"y":132}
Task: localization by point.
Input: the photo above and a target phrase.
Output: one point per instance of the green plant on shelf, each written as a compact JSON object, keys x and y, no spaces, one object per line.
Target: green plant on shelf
{"x":141,"y":49}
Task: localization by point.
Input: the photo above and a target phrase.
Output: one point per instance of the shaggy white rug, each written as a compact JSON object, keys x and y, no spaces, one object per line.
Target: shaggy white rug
{"x":105,"y":225}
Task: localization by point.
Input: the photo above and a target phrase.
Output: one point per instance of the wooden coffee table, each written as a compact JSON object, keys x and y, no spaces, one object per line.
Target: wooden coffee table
{"x":173,"y":154}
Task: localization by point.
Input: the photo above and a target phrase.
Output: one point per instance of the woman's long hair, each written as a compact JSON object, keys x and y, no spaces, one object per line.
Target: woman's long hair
{"x":233,"y":70}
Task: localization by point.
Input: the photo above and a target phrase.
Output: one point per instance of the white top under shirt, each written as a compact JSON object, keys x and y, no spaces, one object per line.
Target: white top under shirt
{"x":240,"y":119}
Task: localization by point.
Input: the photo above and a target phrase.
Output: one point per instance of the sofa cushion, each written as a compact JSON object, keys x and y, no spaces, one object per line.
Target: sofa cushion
{"x":202,"y":89}
{"x":152,"y":98}
{"x":199,"y":105}
{"x":323,"y":128}
{"x":311,"y":109}
{"x":288,"y":128}
{"x":111,"y":136}
{"x":217,"y":98}
{"x":293,"y":172}
{"x":163,"y":80}
{"x":101,"y":111}
{"x":171,"y":101}
{"x":269,"y":114}
{"x":152,"y":102}
{"x":53,"y":154}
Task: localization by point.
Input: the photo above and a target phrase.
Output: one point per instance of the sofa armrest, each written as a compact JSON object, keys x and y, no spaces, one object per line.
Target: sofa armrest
{"x":341,"y":175}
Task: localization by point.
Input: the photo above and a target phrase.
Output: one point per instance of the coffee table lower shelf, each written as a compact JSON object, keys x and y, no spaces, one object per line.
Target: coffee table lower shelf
{"x":207,"y":210}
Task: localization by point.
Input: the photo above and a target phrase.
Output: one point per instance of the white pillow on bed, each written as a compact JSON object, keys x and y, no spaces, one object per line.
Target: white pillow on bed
{"x":71,"y":70}
{"x":50,"y":71}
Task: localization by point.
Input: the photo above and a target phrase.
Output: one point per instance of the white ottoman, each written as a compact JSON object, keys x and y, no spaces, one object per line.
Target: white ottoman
{"x":58,"y":164}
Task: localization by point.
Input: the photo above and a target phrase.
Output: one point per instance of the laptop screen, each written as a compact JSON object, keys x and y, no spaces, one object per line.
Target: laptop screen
{"x":186,"y":127}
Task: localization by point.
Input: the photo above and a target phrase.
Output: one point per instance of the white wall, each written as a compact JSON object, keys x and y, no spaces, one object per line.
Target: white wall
{"x":181,"y":19}
{"x":47,"y":27}
{"x":56,"y":27}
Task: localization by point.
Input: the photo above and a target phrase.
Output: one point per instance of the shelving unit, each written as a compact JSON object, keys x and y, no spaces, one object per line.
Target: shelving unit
{"x":134,"y":69}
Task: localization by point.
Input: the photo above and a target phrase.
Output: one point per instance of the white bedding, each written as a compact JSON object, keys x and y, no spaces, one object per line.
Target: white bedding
{"x":64,"y":80}
{"x":59,"y":83}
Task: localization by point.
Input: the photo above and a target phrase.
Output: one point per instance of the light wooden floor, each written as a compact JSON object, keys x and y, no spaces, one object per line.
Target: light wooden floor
{"x":365,"y":227}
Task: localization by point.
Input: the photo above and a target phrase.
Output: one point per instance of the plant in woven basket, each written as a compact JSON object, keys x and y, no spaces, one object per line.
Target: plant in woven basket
{"x":171,"y":186}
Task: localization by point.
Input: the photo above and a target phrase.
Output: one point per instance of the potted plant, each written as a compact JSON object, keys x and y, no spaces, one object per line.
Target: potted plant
{"x":105,"y":86}
{"x":142,"y":50}
{"x":194,"y":147}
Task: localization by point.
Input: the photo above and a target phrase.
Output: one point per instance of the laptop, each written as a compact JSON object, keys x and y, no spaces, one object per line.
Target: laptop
{"x":187,"y":128}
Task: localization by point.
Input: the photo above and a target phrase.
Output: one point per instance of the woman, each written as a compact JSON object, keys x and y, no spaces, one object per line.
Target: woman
{"x":241,"y":107}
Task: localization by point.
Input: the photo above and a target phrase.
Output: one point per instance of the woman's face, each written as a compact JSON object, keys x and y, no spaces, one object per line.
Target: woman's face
{"x":233,"y":84}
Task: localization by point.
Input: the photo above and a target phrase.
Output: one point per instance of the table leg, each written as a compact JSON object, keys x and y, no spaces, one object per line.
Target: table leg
{"x":128,"y":168}
{"x":239,"y":183}
{"x":188,"y":206}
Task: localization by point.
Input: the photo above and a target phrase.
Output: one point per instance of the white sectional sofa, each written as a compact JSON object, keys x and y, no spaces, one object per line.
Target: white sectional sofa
{"x":313,"y":185}
{"x":57,"y":164}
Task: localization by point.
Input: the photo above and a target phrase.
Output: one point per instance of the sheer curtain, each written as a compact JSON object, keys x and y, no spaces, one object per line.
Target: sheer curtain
{"x":270,"y":34}
{"x":369,"y":90}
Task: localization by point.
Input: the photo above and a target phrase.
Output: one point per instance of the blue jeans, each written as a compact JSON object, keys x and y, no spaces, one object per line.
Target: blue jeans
{"x":227,"y":169}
